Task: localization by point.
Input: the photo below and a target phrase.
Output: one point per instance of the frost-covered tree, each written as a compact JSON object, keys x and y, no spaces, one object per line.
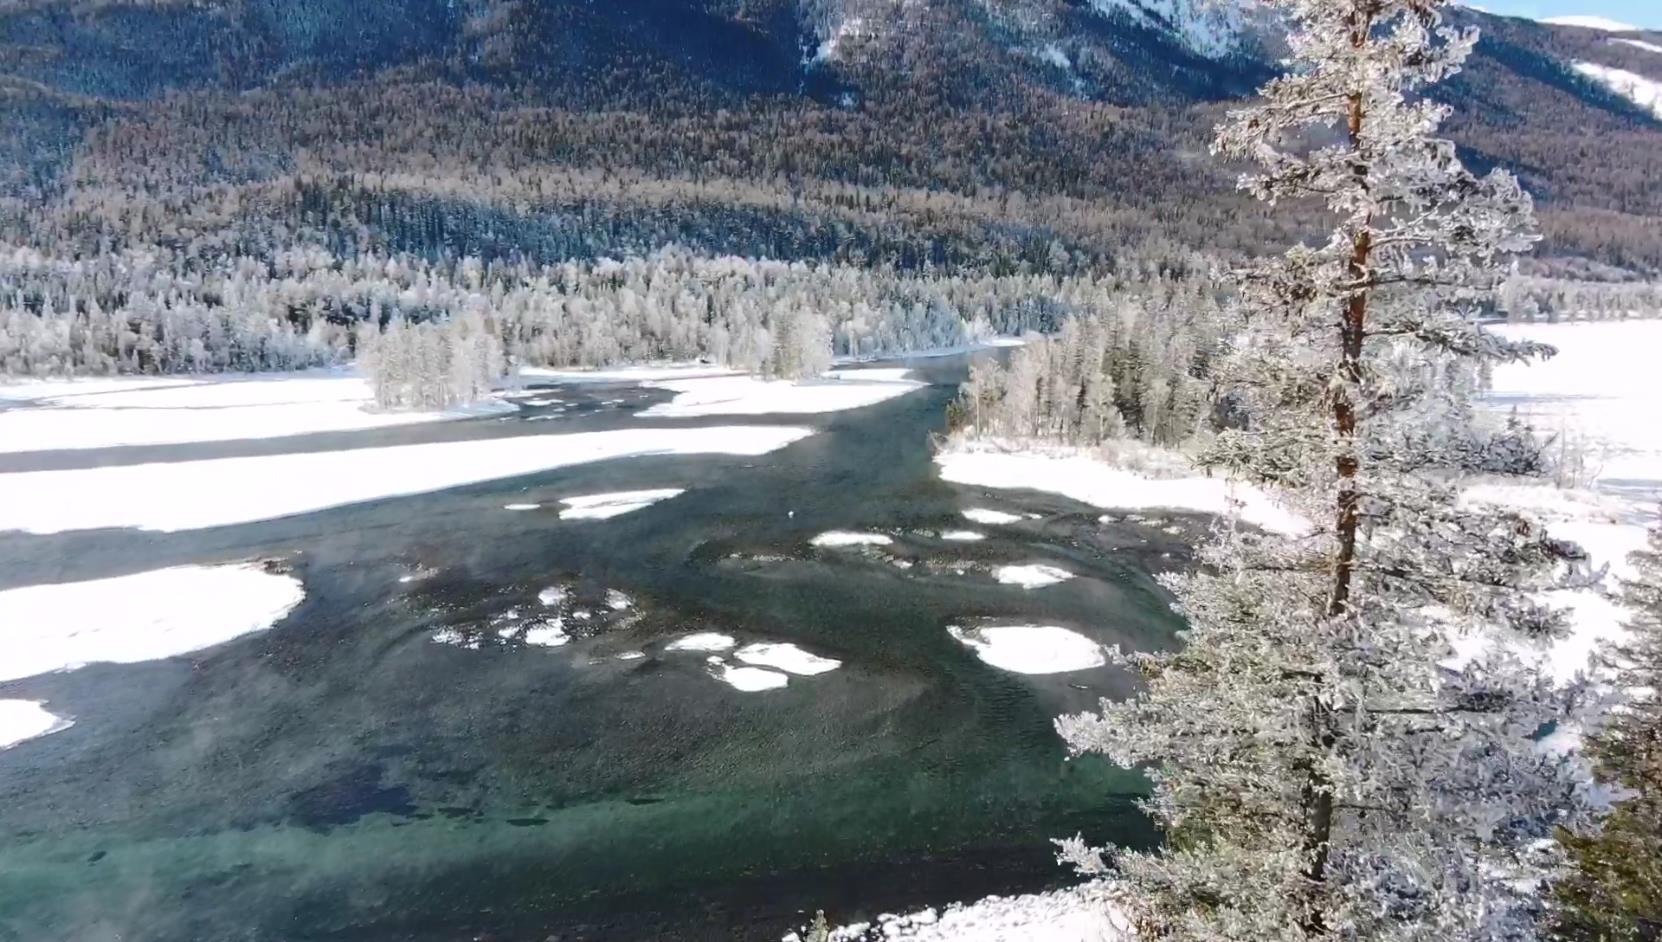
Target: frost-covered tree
{"x":1322,"y":765}
{"x":1614,"y":892}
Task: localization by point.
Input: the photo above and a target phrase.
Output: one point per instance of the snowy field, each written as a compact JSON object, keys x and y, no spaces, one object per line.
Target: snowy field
{"x":748,"y":395}
{"x":167,"y":410}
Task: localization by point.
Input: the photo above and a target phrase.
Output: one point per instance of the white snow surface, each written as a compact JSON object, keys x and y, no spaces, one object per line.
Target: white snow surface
{"x":1603,"y":23}
{"x":1208,"y":28}
{"x":28,"y":719}
{"x":746,"y":679}
{"x":549,"y":634}
{"x":1031,"y":649}
{"x":1639,"y":44}
{"x":702,"y":641}
{"x":1642,"y":90}
{"x":146,"y":616}
{"x":992,"y":518}
{"x":786,"y":657}
{"x":80,"y":414}
{"x":1031,"y":576}
{"x":748,"y":395}
{"x":521,"y":506}
{"x":963,"y":536}
{"x":1082,"y":476}
{"x":644,"y":373}
{"x":190,"y":495}
{"x":1083,"y":913}
{"x":850,"y":538}
{"x":606,"y":506}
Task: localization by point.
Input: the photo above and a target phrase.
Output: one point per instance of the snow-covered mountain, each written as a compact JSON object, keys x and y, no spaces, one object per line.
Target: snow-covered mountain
{"x":1209,"y":28}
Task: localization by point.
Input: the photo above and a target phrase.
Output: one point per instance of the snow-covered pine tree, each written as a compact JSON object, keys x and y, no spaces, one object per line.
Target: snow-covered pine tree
{"x":1614,"y":893}
{"x":1322,"y":766}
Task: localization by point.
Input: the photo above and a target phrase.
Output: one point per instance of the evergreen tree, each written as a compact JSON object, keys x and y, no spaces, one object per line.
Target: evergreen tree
{"x":1320,"y":768}
{"x":1614,"y":892}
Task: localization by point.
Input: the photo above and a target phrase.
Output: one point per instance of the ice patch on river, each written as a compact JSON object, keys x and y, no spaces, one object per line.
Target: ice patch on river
{"x":746,"y":679}
{"x":142,"y":617}
{"x":702,"y":641}
{"x":748,"y":395}
{"x":190,"y":495}
{"x":786,"y":657}
{"x":606,"y":506}
{"x":81,"y":414}
{"x":1032,"y":576}
{"x":1031,"y":649}
{"x":21,"y":720}
{"x":849,"y":538}
{"x":991,"y":518}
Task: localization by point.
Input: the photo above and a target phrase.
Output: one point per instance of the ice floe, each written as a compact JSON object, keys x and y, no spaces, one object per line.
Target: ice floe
{"x":553,"y":595}
{"x":521,"y":506}
{"x":963,"y":536}
{"x":786,"y":657}
{"x":146,"y":616}
{"x":618,"y":601}
{"x":702,"y":641}
{"x":189,"y":495}
{"x":1031,"y":576}
{"x":849,"y":538}
{"x":22,"y":720}
{"x":1031,"y":649}
{"x":992,"y":518}
{"x":606,"y":506}
{"x":747,"y":679}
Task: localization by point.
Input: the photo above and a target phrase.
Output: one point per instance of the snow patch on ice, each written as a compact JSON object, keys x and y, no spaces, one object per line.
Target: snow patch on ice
{"x":748,"y":395}
{"x":963,"y":536}
{"x":786,"y":657}
{"x":1083,"y":476}
{"x":189,"y":495}
{"x":1031,"y":649}
{"x":146,"y":616}
{"x":28,"y":719}
{"x":850,"y":538}
{"x":702,"y":641}
{"x":746,"y":679}
{"x":82,"y":414}
{"x":521,"y":506}
{"x":1032,"y":576}
{"x":1641,"y":90}
{"x":553,"y":595}
{"x":617,"y":601}
{"x":549,"y":634}
{"x":992,"y":518}
{"x":607,"y":506}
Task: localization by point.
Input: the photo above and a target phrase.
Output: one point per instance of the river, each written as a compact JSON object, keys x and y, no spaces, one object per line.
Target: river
{"x":343,"y":777}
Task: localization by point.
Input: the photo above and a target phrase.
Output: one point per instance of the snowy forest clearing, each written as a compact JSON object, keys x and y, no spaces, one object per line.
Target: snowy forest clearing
{"x":191,"y":495}
{"x":173,"y":410}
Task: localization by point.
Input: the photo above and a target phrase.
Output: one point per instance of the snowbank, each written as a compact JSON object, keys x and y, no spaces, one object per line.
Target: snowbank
{"x":606,"y":506}
{"x":645,"y":373}
{"x":848,"y":538}
{"x":142,"y":617}
{"x":1032,"y":576}
{"x":27,"y":719}
{"x":702,"y":641}
{"x":1031,"y":649}
{"x":786,"y":657}
{"x":748,"y":395}
{"x":1082,"y":913}
{"x":1080,"y":475}
{"x":190,"y":495}
{"x":78,"y":414}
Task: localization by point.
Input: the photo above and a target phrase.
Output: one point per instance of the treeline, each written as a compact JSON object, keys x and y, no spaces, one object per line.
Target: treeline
{"x":1133,"y":365}
{"x":1524,"y":298}
{"x":155,"y":312}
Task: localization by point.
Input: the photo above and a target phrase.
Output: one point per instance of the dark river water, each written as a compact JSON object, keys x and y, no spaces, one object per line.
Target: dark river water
{"x":343,"y":777}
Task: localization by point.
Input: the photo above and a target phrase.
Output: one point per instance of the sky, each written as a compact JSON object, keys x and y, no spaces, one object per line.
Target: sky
{"x":1641,"y":13}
